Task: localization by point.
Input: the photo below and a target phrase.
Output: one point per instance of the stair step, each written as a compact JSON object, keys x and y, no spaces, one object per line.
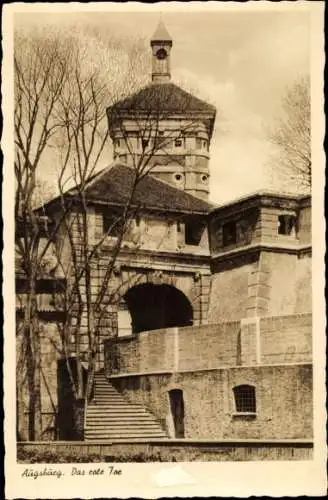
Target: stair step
{"x":115,"y":408}
{"x":128,"y":418}
{"x":118,"y":437}
{"x":115,"y":397}
{"x":105,"y":434}
{"x":129,"y":415}
{"x":141,"y":429}
{"x":109,"y":400}
{"x":123,"y":425}
{"x":97,"y":395}
{"x":118,"y":413}
{"x":107,"y":390}
{"x":134,"y":439}
{"x":110,"y":416}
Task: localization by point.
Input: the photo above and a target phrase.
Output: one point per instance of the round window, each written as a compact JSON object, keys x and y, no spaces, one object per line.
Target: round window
{"x":178,"y":177}
{"x":161,"y":54}
{"x":204,"y":178}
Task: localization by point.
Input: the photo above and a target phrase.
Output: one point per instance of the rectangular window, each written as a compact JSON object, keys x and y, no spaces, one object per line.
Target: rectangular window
{"x":193,"y":233}
{"x":229,"y":233}
{"x":144,"y":143}
{"x":112,"y":224}
{"x":287,"y":225}
{"x":245,"y":399}
{"x":198,"y":143}
{"x":159,"y":140}
{"x":178,"y":143}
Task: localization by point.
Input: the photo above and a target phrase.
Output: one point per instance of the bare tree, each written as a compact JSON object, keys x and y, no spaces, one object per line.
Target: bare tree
{"x":290,"y":134}
{"x":40,"y":74}
{"x":76,"y":126}
{"x":49,"y":84}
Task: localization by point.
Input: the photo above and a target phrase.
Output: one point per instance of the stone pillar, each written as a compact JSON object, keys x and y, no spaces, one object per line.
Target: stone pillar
{"x":250,"y":349}
{"x":258,"y":292}
{"x":205,"y":297}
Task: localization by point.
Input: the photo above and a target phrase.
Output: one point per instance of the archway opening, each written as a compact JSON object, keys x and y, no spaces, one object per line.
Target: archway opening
{"x":157,"y":306}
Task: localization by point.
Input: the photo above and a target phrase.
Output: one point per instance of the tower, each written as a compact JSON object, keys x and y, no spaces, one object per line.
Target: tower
{"x":164,"y":125}
{"x":161,"y":44}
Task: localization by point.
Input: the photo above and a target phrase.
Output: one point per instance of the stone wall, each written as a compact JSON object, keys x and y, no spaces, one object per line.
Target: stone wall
{"x":50,"y":354}
{"x":286,"y":339}
{"x":266,"y":340}
{"x":229,"y":289}
{"x":175,"y":349}
{"x":289,"y":281}
{"x":165,"y":451}
{"x":283,"y":401}
{"x":261,"y":283}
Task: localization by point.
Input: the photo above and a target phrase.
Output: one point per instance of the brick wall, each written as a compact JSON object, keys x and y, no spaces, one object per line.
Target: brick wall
{"x":265,"y":340}
{"x":286,"y":339}
{"x":164,"y":451}
{"x":283,"y":397}
{"x":174,"y":349}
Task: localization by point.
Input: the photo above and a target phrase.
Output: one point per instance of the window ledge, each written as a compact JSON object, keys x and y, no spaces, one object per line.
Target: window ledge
{"x":122,"y":338}
{"x":247,"y":415}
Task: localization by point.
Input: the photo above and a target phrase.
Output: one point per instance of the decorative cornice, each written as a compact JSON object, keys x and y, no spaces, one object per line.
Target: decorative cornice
{"x":262,"y":247}
{"x":264,"y":199}
{"x":160,"y":255}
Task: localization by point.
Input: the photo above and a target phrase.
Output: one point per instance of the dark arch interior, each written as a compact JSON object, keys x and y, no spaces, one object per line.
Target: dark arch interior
{"x":157,"y":306}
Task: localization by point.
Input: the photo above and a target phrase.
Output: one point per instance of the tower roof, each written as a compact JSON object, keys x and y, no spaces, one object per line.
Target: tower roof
{"x":161,"y":34}
{"x":163,"y":99}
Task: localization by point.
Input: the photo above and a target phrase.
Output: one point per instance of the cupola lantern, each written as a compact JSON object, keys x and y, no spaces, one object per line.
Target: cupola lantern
{"x":161,"y":44}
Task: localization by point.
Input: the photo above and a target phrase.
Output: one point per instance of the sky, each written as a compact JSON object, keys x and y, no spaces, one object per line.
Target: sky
{"x":241,"y":61}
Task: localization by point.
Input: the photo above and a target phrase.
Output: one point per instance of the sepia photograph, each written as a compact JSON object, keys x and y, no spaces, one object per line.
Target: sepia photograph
{"x":162,"y":236}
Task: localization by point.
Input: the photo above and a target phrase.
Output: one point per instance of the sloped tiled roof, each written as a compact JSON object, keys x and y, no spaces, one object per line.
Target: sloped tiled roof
{"x":113,"y":185}
{"x":161,"y":98}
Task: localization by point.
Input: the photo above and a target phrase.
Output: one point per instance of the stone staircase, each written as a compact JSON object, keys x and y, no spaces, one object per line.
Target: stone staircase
{"x":111,"y":417}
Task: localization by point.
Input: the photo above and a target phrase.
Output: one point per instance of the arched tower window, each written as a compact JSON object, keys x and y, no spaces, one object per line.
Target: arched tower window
{"x":245,"y":398}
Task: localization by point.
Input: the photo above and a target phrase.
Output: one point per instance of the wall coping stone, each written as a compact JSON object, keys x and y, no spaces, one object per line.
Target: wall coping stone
{"x":182,"y":442}
{"x":233,"y":367}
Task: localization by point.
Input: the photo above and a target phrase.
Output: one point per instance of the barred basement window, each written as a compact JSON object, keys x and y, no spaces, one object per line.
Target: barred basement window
{"x":245,"y":399}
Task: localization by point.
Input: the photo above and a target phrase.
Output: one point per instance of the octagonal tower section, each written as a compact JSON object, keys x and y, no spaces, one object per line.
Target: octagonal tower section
{"x":164,"y":130}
